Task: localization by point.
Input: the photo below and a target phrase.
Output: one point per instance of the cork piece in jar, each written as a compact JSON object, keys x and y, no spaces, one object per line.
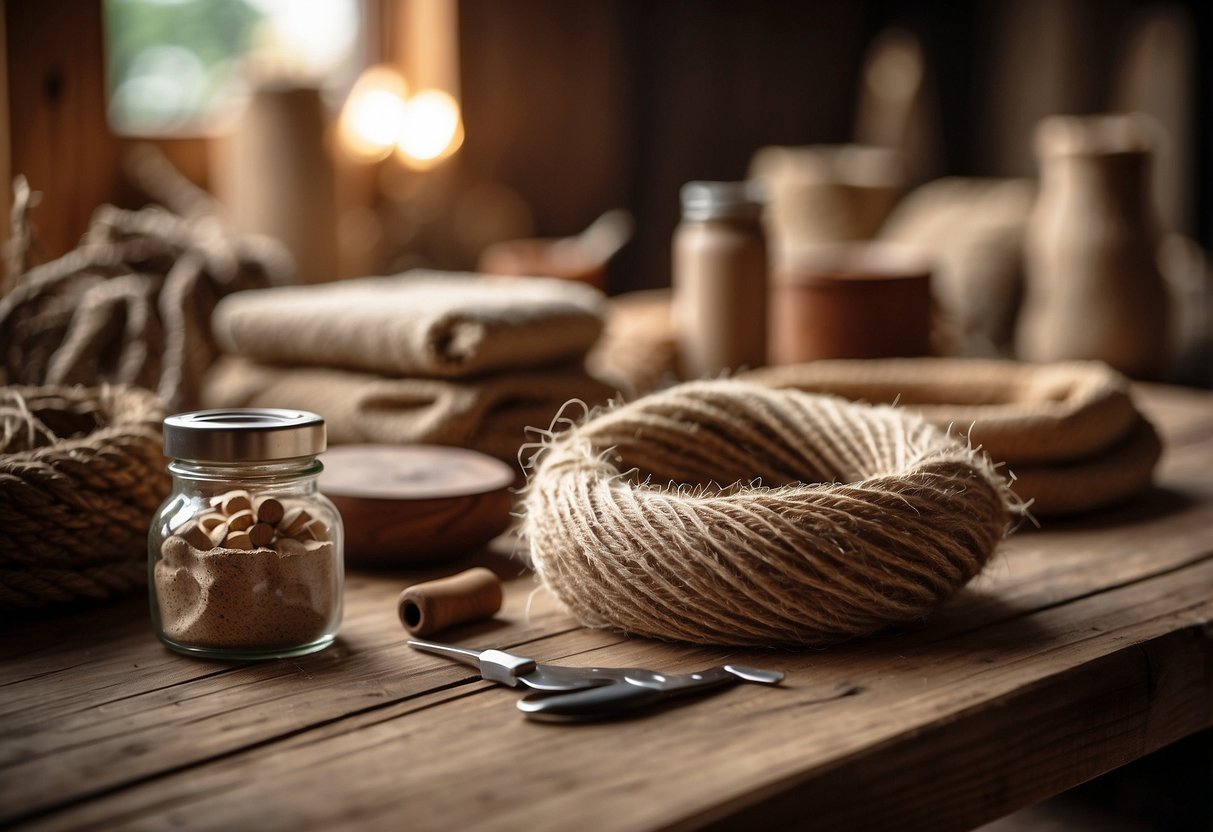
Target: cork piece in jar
{"x":238,"y":540}
{"x":210,"y":521}
{"x":315,"y":530}
{"x":268,"y":510}
{"x":195,"y":535}
{"x":219,"y":534}
{"x":235,"y":501}
{"x":294,"y":522}
{"x":241,"y":520}
{"x":262,"y":534}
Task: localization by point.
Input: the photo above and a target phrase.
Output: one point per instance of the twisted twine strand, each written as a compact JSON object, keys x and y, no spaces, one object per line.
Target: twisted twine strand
{"x":785,"y":517}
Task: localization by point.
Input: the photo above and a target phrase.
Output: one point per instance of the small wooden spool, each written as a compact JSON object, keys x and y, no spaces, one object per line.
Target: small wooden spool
{"x":470,"y":595}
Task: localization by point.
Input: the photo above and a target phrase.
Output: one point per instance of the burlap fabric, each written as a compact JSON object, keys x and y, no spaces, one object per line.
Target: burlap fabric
{"x":488,"y":413}
{"x":638,"y":349}
{"x":1069,"y":433}
{"x":420,"y":323}
{"x":81,"y":475}
{"x":972,"y":230}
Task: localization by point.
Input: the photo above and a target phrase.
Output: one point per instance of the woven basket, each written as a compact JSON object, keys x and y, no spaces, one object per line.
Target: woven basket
{"x":81,"y":475}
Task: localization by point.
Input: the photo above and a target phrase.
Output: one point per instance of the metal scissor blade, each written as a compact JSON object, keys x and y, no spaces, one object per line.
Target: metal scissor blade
{"x":449,"y":651}
{"x":494,"y":665}
{"x":631,"y":689}
{"x":599,"y":702}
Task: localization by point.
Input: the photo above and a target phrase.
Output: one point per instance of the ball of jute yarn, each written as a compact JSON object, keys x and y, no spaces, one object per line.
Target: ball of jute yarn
{"x":724,"y":512}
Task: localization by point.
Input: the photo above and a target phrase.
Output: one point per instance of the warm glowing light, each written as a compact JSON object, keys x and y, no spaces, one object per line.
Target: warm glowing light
{"x":374,"y":115}
{"x":432,"y":130}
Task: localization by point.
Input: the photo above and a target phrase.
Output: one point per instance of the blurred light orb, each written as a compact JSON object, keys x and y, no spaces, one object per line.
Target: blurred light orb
{"x":432,"y":129}
{"x":374,"y":114}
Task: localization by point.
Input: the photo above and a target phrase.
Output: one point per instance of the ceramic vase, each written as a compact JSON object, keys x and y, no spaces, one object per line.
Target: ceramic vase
{"x":1093,"y":286}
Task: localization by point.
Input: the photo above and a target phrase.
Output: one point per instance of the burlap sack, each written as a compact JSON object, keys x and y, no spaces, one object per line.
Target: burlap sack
{"x":488,"y":413}
{"x":420,"y":323}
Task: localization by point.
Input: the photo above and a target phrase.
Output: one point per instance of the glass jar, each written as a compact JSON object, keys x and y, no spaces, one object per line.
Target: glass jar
{"x":245,"y":555}
{"x":720,"y":279}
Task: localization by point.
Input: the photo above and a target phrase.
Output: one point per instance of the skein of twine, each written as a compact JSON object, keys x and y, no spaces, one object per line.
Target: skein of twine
{"x":784,"y":517}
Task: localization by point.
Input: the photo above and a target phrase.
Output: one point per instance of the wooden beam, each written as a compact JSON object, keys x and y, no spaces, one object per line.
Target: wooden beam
{"x":58,"y":135}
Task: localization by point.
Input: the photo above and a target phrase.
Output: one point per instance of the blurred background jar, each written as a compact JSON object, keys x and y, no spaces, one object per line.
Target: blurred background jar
{"x":720,"y":279}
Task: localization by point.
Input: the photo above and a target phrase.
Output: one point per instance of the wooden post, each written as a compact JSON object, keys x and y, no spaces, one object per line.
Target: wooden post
{"x":57,"y":134}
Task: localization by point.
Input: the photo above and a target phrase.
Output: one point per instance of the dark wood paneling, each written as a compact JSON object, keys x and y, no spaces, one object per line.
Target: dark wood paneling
{"x":59,"y":136}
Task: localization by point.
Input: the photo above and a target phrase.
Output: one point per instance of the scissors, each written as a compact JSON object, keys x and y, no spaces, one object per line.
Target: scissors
{"x":578,"y":693}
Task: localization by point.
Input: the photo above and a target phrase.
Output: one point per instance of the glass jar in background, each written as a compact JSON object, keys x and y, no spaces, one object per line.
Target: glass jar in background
{"x":245,"y":555}
{"x":720,"y":279}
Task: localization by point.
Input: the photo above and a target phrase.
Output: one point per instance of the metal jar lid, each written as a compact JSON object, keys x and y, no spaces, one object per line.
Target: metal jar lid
{"x":702,"y":201}
{"x":244,"y":435}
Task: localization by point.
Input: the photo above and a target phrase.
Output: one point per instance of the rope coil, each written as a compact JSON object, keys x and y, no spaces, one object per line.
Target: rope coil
{"x":786,"y":517}
{"x":81,"y":474}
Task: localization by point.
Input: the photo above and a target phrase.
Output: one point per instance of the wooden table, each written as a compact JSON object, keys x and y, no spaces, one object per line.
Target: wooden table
{"x":1085,"y":645}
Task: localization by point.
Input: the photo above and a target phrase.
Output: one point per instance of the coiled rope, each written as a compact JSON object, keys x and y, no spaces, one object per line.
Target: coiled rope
{"x":81,"y":474}
{"x":725,"y":512}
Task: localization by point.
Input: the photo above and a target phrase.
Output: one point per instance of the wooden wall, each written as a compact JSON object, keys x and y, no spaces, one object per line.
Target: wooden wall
{"x":595,"y":104}
{"x":578,"y":107}
{"x":589,"y":106}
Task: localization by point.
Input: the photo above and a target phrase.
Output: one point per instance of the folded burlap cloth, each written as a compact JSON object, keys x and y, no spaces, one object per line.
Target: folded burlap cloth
{"x":1068,"y":433}
{"x":487,"y":413}
{"x":420,"y":323}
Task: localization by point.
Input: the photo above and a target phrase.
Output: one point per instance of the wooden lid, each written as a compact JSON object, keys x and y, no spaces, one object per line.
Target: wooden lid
{"x":410,"y":472}
{"x":403,"y":505}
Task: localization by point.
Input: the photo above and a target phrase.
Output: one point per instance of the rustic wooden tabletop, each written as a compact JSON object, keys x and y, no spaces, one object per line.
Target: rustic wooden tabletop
{"x":1085,"y":644}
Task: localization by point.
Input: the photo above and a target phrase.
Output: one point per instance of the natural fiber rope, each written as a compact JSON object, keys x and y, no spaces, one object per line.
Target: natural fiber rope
{"x":132,"y":303}
{"x":81,"y":474}
{"x":724,"y":512}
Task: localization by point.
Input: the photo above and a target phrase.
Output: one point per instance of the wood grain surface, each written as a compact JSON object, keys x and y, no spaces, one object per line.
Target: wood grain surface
{"x":1085,"y":645}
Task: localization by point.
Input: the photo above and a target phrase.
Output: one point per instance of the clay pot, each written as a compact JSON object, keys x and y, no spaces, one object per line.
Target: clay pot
{"x":1093,"y":287}
{"x":538,"y":257}
{"x":868,"y":300}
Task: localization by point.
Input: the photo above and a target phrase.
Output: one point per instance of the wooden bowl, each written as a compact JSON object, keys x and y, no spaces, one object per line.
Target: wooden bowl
{"x":406,"y":505}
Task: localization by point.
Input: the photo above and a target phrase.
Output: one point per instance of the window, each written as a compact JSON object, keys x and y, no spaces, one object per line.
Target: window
{"x":180,"y":66}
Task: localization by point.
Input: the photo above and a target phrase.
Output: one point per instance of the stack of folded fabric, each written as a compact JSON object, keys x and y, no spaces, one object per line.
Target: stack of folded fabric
{"x":422,"y":357}
{"x":1068,"y":433}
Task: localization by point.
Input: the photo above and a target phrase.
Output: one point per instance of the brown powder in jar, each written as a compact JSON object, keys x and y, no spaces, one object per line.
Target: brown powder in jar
{"x":262,"y":598}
